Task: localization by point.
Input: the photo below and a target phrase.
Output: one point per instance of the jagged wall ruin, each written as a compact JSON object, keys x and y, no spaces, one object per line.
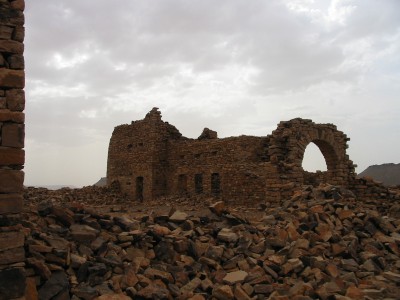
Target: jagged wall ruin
{"x":12,"y":156}
{"x":150,"y":158}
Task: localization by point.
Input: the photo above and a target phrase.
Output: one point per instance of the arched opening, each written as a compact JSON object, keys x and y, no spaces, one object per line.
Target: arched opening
{"x":314,"y":164}
{"x":313,"y":159}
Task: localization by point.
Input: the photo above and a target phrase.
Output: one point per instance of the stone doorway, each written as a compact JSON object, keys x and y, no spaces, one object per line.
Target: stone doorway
{"x":139,"y":188}
{"x":182,"y":184}
{"x":215,"y":184}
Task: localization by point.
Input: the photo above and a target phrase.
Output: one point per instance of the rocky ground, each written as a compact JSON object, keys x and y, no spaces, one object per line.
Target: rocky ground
{"x":323,"y":243}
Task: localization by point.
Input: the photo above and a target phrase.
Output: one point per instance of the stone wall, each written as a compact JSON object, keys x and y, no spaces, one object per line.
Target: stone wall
{"x":234,"y":160}
{"x":150,"y":158}
{"x":12,"y":156}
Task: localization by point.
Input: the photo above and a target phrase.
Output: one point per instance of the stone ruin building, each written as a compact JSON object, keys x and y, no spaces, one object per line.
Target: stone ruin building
{"x":151,"y":159}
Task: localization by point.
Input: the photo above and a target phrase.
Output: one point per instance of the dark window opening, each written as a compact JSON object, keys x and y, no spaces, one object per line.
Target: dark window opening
{"x":182,"y":184}
{"x":214,"y":152}
{"x":139,"y":188}
{"x":130,"y":146}
{"x":197,"y":156}
{"x":215,"y":184}
{"x":140,"y":144}
{"x":198,"y":183}
{"x":164,"y":184}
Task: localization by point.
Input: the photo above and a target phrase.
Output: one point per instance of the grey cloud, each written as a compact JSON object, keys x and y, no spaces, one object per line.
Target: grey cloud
{"x":236,"y":66}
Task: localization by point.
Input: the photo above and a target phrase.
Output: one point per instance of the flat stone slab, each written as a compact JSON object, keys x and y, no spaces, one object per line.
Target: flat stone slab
{"x":235,"y":277}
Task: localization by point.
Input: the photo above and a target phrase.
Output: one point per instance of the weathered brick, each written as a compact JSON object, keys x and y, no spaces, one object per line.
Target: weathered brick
{"x":12,"y":256}
{"x":18,"y":4}
{"x":15,"y":99}
{"x":12,"y":78}
{"x":19,"y":34}
{"x":16,"y":62}
{"x":10,"y":116}
{"x":2,"y":60}
{"x":11,"y":156}
{"x":2,"y":102}
{"x":11,"y":240}
{"x":11,"y":203}
{"x":9,"y":46}
{"x":5,"y":32}
{"x":11,"y":181}
{"x":11,"y":16}
{"x":13,"y":135}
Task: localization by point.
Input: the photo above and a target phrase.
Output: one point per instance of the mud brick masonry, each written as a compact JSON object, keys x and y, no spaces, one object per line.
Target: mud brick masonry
{"x":12,"y":103}
{"x":150,"y":159}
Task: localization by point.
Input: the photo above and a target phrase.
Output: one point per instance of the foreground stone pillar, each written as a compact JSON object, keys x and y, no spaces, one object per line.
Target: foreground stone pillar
{"x":12,"y":156}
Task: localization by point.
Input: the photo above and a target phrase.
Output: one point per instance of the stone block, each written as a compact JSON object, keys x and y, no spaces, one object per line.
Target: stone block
{"x":13,"y":135}
{"x":15,"y":99}
{"x":19,"y":33}
{"x":12,"y":256}
{"x":11,"y":156}
{"x":9,"y":46}
{"x":57,"y":285}
{"x":16,"y":62}
{"x":5,"y":32}
{"x":12,"y":283}
{"x":11,"y":16}
{"x":12,"y":78}
{"x":11,"y":240}
{"x":3,"y":102}
{"x":18,"y":4}
{"x":11,"y":181}
{"x":11,"y":203}
{"x":11,"y":116}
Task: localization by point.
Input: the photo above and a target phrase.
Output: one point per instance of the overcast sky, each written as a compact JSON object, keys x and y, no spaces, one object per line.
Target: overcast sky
{"x":235,"y":66}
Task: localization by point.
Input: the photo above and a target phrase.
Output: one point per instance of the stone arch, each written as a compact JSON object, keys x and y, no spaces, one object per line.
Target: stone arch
{"x":289,"y":141}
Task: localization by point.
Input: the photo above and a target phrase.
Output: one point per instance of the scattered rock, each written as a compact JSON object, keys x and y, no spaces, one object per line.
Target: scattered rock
{"x":217,"y":208}
{"x":235,"y":277}
{"x":321,"y":243}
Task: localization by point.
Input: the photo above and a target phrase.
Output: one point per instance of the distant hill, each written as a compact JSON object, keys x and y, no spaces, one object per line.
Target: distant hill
{"x":101,"y":182}
{"x":388,"y":174}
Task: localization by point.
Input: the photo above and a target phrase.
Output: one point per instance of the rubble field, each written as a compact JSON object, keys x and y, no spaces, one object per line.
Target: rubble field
{"x":323,"y":243}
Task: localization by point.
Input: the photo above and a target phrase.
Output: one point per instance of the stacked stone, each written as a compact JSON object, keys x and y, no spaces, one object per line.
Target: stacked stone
{"x":368,"y":189}
{"x":93,"y":195}
{"x":12,"y":102}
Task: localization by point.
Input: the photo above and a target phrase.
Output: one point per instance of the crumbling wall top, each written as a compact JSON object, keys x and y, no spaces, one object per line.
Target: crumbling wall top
{"x":208,"y":134}
{"x":154,"y":114}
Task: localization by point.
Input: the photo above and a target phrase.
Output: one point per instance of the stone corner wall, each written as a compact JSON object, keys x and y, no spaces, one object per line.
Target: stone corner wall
{"x":12,"y":155}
